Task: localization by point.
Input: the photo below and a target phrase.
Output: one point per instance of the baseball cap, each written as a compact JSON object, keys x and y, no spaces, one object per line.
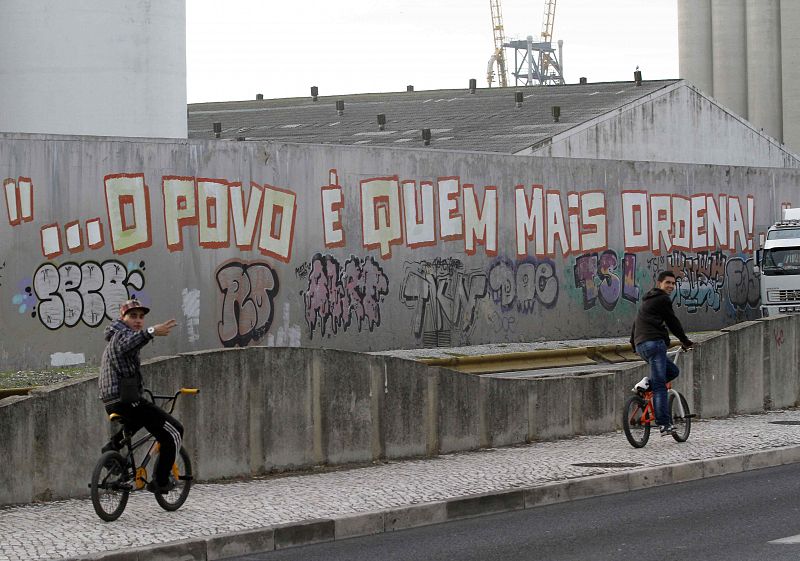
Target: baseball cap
{"x":129,"y":305}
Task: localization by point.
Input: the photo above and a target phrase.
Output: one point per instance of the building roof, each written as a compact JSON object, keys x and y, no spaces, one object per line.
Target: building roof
{"x":487,"y":120}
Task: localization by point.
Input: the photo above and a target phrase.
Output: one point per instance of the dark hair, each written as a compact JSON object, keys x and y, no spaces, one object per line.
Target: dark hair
{"x":664,"y":274}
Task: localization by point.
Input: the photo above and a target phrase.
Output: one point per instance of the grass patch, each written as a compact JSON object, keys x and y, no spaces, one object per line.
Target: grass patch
{"x":42,"y":376}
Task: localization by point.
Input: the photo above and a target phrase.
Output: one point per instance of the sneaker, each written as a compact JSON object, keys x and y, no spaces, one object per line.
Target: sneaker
{"x":642,"y":385}
{"x":154,"y":487}
{"x":667,"y":430}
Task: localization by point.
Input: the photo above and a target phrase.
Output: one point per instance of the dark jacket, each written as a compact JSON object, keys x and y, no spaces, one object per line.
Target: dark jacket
{"x":655,"y":315}
{"x":120,"y":359}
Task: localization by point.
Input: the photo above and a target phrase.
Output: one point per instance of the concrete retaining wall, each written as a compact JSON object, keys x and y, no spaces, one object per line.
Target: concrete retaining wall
{"x":266,"y":409}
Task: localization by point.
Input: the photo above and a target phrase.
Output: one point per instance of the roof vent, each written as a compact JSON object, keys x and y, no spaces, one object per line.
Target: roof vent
{"x":518,"y":99}
{"x":381,"y":121}
{"x":217,"y":129}
{"x":259,"y":97}
{"x":582,"y":80}
{"x":556,"y":110}
{"x":340,"y":107}
{"x":473,"y":83}
{"x":426,"y":136}
{"x":314,"y":93}
{"x":409,"y":88}
{"x":637,"y":77}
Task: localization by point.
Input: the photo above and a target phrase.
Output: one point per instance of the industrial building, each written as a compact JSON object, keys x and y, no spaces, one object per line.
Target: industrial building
{"x":660,"y":120}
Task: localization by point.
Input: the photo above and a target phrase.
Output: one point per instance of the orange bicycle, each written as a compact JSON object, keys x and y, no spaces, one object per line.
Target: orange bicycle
{"x":115,"y":475}
{"x":639,"y":415}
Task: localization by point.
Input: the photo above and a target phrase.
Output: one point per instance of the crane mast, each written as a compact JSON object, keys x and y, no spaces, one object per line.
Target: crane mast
{"x":548,"y":19}
{"x":498,"y":57}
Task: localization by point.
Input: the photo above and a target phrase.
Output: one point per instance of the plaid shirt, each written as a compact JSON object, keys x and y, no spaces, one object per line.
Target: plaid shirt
{"x":120,"y":359}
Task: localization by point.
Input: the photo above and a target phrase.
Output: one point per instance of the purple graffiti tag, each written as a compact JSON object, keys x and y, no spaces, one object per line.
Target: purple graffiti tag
{"x":523,"y":284}
{"x":585,"y":272}
{"x":610,"y":285}
{"x":630,"y":291}
{"x":601,"y":279}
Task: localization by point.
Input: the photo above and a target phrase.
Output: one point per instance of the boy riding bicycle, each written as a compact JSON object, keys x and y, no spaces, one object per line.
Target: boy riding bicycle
{"x":650,"y":340}
{"x":121,"y":389}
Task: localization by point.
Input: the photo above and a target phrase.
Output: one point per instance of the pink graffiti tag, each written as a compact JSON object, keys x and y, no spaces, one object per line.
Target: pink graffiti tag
{"x":779,"y":340}
{"x":336,"y":295}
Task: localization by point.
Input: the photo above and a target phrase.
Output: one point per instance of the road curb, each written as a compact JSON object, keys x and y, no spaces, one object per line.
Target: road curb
{"x":222,"y":546}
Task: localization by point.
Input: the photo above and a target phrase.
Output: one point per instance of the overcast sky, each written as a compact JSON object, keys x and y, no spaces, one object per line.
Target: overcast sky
{"x":238,"y":48}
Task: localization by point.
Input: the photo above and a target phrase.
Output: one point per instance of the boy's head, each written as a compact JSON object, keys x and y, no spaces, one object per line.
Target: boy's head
{"x":666,"y":281}
{"x":132,"y":312}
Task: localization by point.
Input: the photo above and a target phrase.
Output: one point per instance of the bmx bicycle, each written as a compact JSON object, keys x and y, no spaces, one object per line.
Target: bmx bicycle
{"x":639,"y":415}
{"x":115,"y":475}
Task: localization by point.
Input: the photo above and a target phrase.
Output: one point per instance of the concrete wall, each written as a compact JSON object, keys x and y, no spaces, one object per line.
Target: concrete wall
{"x":261,"y":410}
{"x":649,"y":129}
{"x":258,"y":243}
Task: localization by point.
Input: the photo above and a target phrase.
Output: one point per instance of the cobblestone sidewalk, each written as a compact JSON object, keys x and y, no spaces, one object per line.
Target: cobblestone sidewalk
{"x":67,"y":529}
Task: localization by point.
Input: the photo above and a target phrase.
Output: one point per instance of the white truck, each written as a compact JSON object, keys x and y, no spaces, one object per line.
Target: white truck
{"x":778,"y":264}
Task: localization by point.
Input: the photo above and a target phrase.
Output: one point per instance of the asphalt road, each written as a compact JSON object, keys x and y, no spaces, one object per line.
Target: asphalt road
{"x":725,"y":518}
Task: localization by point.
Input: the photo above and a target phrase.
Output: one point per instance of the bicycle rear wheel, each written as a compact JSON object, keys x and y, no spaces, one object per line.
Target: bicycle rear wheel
{"x":636,"y":430}
{"x":182,"y":474}
{"x":683,"y":423}
{"x":110,"y":486}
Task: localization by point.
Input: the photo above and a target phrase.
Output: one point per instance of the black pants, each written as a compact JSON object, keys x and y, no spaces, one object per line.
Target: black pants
{"x":167,"y":430}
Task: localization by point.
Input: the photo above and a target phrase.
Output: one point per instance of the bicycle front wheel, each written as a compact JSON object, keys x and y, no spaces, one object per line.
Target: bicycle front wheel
{"x":637,"y":430}
{"x":110,"y":486}
{"x":683,"y":423}
{"x":182,"y":474}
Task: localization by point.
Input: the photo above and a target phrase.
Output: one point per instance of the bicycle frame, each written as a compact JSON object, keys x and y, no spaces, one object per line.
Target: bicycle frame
{"x":649,"y":413}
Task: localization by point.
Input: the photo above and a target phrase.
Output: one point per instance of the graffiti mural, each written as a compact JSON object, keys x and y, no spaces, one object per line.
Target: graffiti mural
{"x":444,"y":297}
{"x":604,"y":278}
{"x":87,"y":292}
{"x":520,"y":286}
{"x":336,"y":295}
{"x":742,"y":284}
{"x":248,"y":301}
{"x":704,"y":278}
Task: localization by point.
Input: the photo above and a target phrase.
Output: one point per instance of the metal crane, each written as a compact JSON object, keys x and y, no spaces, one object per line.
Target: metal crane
{"x":536,"y":63}
{"x":498,"y":57}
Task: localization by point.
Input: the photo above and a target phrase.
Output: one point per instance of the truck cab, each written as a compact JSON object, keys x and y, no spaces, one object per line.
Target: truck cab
{"x":778,"y":263}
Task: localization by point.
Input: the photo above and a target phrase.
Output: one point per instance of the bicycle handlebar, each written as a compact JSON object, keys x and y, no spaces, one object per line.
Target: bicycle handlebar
{"x":171,"y":398}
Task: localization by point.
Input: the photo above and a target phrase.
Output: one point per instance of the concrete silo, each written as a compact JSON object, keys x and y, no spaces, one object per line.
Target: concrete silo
{"x":729,"y":46}
{"x":94,"y":67}
{"x":790,"y":64}
{"x":754,"y":59}
{"x":764,"y":66}
{"x":694,"y":40}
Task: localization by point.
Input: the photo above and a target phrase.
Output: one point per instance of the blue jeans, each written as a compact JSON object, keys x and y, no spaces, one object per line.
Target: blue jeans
{"x":662,"y":370}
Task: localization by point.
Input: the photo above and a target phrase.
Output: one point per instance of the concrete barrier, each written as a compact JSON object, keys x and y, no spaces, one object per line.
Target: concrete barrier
{"x":711,"y":376}
{"x":781,"y":361}
{"x":746,"y":366}
{"x":266,"y":409}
